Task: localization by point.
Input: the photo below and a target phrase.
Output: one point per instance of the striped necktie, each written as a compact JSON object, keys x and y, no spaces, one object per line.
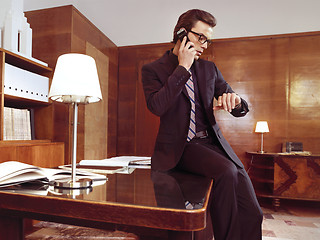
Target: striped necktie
{"x":192,"y":126}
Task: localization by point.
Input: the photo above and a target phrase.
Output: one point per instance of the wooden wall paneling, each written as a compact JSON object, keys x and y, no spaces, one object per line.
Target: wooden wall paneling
{"x":258,"y":71}
{"x":137,"y":127}
{"x":112,"y":53}
{"x":297,"y":61}
{"x":146,"y":123}
{"x":126,"y":102}
{"x":86,"y":32}
{"x":51,"y":33}
{"x":112,"y":108}
{"x":304,"y":99}
{"x":96,"y":114}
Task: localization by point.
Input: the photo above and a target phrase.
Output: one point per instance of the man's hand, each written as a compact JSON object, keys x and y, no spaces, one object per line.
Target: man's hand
{"x":228,"y":101}
{"x":186,"y":53}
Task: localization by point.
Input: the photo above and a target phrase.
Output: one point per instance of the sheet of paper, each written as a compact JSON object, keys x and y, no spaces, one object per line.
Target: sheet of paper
{"x":122,"y":161}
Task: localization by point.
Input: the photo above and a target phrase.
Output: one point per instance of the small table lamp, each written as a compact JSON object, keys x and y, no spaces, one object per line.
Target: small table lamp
{"x":262,"y":127}
{"x":75,"y":81}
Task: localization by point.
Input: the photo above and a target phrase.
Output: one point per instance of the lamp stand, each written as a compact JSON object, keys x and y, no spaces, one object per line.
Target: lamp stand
{"x":261,"y":151}
{"x":74,"y":183}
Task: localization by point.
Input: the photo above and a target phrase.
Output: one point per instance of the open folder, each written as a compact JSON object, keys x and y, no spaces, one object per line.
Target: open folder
{"x":13,"y":173}
{"x":122,"y":161}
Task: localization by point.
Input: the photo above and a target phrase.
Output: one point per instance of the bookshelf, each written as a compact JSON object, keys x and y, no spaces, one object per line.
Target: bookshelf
{"x":41,"y":151}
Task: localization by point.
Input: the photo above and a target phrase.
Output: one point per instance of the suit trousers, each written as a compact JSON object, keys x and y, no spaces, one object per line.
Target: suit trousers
{"x":234,"y":209}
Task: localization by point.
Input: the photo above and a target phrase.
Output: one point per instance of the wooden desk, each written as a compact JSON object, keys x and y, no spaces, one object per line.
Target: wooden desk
{"x":277,"y":176}
{"x":130,"y":202}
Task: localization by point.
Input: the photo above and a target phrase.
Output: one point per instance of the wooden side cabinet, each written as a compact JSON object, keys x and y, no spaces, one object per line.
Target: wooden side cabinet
{"x":43,"y":151}
{"x":285,"y":176}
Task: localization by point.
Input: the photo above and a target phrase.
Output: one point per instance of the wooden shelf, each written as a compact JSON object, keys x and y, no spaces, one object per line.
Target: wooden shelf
{"x":19,"y":102}
{"x":44,"y":152}
{"x":25,"y":63}
{"x":14,"y":101}
{"x":24,"y":142}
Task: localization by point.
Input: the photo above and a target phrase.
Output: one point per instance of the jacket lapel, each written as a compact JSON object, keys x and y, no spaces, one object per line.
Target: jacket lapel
{"x":201,"y":80}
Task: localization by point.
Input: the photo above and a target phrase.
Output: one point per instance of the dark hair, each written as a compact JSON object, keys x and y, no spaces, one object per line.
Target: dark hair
{"x":188,"y":19}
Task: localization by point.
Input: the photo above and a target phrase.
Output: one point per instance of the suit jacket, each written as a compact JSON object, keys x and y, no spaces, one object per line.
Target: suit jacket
{"x":166,"y":96}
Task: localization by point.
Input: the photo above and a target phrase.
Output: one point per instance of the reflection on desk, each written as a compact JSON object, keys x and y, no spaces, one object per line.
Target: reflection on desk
{"x":173,"y":189}
{"x":179,"y":190}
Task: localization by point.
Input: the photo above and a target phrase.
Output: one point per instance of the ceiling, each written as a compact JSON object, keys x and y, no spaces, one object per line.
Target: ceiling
{"x":135,"y":22}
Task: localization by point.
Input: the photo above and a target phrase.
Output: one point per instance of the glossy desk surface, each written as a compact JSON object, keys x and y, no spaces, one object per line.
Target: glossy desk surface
{"x":143,"y":198}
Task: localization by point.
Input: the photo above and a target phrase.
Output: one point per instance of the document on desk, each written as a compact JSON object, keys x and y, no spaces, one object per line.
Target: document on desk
{"x":14,"y":172}
{"x":121,"y":161}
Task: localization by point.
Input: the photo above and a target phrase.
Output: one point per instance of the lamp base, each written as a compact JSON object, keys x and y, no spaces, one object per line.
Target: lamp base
{"x":71,"y":192}
{"x":261,"y":152}
{"x":70,"y":184}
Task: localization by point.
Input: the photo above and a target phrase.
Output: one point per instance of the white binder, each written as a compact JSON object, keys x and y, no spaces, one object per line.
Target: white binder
{"x":21,"y":83}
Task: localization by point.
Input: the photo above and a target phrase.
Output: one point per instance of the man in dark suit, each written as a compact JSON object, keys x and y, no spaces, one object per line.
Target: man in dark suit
{"x":180,"y":89}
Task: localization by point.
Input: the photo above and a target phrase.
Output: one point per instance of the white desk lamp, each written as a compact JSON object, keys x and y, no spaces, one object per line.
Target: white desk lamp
{"x":75,"y":80}
{"x":262,"y":127}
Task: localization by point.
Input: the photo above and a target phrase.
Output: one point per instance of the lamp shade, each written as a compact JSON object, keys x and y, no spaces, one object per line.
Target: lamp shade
{"x":262,"y":127}
{"x":75,"y":79}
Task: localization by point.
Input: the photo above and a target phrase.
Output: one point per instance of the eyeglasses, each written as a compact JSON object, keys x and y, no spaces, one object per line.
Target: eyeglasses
{"x":202,"y":38}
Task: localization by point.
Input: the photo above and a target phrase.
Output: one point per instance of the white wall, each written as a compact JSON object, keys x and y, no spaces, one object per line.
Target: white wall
{"x":135,"y":22}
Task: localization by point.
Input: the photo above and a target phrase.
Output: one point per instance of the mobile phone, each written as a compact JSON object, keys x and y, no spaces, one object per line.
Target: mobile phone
{"x":182,"y":33}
